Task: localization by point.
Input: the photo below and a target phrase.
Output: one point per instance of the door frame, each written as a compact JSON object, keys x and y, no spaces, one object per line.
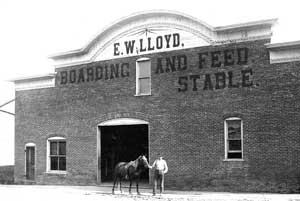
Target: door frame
{"x":30,"y":144}
{"x":117,"y":122}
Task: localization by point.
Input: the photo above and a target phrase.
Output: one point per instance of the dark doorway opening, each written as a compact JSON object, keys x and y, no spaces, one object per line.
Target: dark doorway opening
{"x":122,"y":143}
{"x":30,"y":162}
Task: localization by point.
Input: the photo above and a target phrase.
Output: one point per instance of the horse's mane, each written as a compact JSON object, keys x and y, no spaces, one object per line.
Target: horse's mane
{"x":134,"y":163}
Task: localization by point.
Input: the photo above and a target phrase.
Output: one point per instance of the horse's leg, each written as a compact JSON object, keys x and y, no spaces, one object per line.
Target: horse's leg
{"x":113,"y":189}
{"x":137,"y":185}
{"x":120,"y":184}
{"x":130,"y":184}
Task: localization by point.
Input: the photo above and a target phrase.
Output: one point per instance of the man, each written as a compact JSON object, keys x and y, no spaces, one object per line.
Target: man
{"x":160,"y":169}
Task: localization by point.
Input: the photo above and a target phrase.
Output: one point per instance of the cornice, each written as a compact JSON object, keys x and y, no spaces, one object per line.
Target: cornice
{"x":285,"y":60}
{"x":284,"y":45}
{"x":33,"y":77}
{"x":34,"y":82}
{"x":242,"y":26}
{"x":284,"y":52}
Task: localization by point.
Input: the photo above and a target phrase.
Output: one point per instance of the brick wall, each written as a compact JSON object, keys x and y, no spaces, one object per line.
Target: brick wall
{"x":187,"y":126}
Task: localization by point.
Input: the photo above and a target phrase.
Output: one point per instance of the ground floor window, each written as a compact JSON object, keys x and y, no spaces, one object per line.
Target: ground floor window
{"x":57,"y":154}
{"x":233,"y":138}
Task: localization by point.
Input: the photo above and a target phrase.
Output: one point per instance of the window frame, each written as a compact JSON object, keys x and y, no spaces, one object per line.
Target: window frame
{"x":226,"y":140}
{"x":137,"y":91}
{"x":55,"y":139}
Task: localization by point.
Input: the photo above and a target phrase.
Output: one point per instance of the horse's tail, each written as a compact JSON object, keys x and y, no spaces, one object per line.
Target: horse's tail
{"x":115,"y":171}
{"x":115,"y":175}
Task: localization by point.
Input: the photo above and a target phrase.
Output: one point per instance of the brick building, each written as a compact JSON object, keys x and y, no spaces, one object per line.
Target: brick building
{"x":221,"y":104}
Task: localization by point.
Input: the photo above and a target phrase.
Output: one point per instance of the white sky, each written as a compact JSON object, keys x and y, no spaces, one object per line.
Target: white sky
{"x":32,"y":30}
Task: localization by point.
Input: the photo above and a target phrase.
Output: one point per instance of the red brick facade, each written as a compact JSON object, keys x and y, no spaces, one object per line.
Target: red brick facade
{"x":186,"y":112}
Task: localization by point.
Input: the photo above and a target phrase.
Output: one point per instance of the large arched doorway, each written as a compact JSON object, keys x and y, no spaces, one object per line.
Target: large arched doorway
{"x":122,"y":139}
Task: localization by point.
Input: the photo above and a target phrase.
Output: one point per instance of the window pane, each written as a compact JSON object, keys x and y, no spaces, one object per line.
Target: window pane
{"x":235,"y":145}
{"x":54,"y":163}
{"x":144,"y":85}
{"x":62,"y":163}
{"x":234,"y":129}
{"x":235,"y":155}
{"x":144,"y":69}
{"x":62,"y":148}
{"x":53,"y":148}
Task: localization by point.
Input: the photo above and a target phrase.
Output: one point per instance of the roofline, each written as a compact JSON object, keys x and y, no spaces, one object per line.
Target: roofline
{"x":67,"y":53}
{"x":86,"y":48}
{"x":267,"y":22}
{"x":284,"y":45}
{"x":33,"y":77}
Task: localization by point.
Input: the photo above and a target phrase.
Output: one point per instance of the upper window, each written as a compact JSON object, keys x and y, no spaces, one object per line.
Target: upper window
{"x":57,"y":154}
{"x":143,"y":77}
{"x":233,"y":138}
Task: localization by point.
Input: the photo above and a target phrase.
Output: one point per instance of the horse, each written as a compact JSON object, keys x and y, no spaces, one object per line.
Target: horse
{"x":132,"y":170}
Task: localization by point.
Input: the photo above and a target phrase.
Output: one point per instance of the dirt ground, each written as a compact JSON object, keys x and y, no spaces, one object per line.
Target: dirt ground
{"x":95,"y":193}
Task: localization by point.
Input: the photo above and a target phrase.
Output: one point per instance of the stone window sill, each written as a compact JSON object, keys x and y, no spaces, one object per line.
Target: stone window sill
{"x":234,"y":160}
{"x":56,"y":172}
{"x":142,"y":94}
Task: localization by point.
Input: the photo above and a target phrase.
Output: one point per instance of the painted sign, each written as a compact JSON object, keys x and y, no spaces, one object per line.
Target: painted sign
{"x":214,"y":62}
{"x":95,"y":73}
{"x":147,"y":45}
{"x":150,"y":40}
{"x":210,"y":81}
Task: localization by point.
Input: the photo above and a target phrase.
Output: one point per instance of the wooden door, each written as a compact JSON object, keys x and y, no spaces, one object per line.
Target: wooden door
{"x":30,"y":163}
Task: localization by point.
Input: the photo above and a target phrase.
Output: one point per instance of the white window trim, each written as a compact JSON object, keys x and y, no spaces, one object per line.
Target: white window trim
{"x":48,"y":156}
{"x":30,"y":144}
{"x":226,"y":137}
{"x":122,"y":121}
{"x":137,"y":87}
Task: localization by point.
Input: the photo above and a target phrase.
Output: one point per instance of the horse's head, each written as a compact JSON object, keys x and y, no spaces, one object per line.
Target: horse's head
{"x":142,"y":160}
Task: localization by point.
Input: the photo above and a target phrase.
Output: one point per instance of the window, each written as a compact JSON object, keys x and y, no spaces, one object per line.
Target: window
{"x":56,"y":154}
{"x":233,"y":138}
{"x":143,"y":77}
